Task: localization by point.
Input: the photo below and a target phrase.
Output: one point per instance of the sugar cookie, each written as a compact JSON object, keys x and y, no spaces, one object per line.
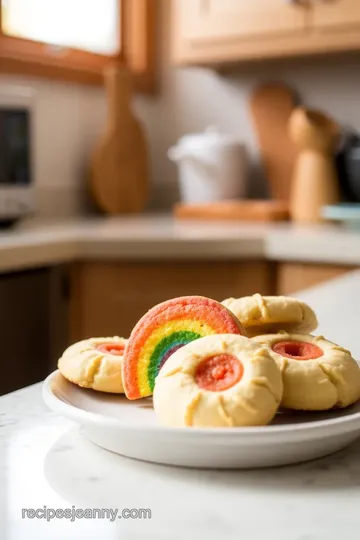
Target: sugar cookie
{"x":218,"y":381}
{"x":270,"y":314}
{"x":164,"y":329}
{"x":95,"y":363}
{"x":317,"y":374}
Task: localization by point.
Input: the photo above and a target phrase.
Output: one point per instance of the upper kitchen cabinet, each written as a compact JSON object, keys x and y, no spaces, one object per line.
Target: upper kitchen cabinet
{"x":75,"y":39}
{"x":219,"y":32}
{"x":336,"y":14}
{"x":215,"y":31}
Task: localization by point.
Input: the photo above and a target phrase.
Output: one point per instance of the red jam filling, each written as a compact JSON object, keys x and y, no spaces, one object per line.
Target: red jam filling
{"x":297,"y":350}
{"x":219,"y":372}
{"x":116,"y":349}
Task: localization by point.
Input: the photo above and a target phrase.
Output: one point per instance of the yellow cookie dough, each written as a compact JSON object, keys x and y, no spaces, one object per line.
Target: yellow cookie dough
{"x":270,"y":314}
{"x":86,"y":365}
{"x":251,"y":401}
{"x":330,"y":380}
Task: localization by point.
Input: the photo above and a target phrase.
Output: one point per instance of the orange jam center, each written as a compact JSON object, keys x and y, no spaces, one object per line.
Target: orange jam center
{"x":111,"y":348}
{"x":298,"y":350}
{"x":219,"y":372}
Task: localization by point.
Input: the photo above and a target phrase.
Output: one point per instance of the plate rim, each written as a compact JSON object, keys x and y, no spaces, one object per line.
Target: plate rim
{"x":56,"y":404}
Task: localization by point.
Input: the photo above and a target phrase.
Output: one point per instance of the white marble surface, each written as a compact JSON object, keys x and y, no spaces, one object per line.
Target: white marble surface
{"x":34,"y":243}
{"x":46,"y":461}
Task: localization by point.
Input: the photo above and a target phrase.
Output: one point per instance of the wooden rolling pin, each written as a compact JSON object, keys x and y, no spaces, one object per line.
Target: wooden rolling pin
{"x":271,"y":107}
{"x":315,"y":182}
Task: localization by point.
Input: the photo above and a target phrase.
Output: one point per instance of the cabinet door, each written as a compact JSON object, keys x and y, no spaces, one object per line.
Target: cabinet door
{"x":294,"y":277}
{"x":25,"y":329}
{"x":330,"y":14}
{"x":109,"y":298}
{"x":228,"y":19}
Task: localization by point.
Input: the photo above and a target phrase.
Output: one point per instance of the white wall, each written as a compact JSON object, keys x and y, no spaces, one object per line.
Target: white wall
{"x":70,"y":117}
{"x":66,"y":120}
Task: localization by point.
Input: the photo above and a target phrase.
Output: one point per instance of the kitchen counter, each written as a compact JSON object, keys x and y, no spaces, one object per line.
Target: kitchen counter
{"x":35,"y":243}
{"x":45,"y":461}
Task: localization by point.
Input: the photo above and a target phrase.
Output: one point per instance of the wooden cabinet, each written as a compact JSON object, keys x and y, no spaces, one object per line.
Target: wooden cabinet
{"x":336,"y":14}
{"x":293,"y":277}
{"x":218,"y":32}
{"x":108,"y":298}
{"x":230,"y":29}
{"x":33,"y":325}
{"x":225,"y":20}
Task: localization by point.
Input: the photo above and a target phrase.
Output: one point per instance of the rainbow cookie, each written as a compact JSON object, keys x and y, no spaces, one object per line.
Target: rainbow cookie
{"x":163,"y":330}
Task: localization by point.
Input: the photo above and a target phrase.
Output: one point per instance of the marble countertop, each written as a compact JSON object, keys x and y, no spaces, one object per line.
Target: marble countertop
{"x":45,"y":461}
{"x":35,"y":243}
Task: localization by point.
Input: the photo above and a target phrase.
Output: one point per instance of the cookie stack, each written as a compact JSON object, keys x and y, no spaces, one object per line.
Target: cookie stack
{"x":317,"y":374}
{"x":211,"y":364}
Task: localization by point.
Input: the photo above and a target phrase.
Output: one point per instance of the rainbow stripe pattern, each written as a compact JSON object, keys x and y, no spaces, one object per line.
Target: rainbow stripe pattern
{"x":163,"y":330}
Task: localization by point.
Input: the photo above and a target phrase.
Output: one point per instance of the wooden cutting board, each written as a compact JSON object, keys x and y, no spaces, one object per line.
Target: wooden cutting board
{"x":119,"y":168}
{"x":271,"y":106}
{"x":234,"y":211}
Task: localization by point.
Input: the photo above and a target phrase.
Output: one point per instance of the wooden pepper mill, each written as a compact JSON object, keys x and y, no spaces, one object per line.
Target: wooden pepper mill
{"x":314,"y":181}
{"x":119,"y":169}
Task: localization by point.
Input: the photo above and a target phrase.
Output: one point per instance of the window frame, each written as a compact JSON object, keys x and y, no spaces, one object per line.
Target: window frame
{"x":137,"y":52}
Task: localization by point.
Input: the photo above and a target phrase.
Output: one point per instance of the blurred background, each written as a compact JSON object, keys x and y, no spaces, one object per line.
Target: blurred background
{"x":158,"y":148}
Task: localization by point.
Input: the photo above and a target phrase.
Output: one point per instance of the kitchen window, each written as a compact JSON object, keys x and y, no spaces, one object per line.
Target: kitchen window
{"x":75,"y":39}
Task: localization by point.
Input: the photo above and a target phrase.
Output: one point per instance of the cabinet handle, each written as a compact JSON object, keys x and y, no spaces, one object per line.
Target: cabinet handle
{"x":302,"y":3}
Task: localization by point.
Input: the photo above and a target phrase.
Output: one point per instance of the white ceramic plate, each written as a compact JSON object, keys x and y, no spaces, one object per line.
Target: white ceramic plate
{"x":130,"y":428}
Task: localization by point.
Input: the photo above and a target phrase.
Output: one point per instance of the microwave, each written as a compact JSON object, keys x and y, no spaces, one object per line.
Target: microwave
{"x":16,"y":172}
